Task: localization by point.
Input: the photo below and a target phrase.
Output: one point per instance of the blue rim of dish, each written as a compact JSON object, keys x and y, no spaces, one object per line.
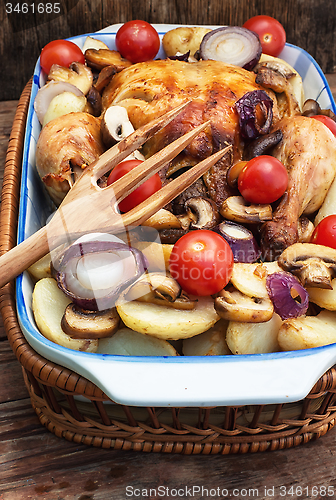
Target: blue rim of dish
{"x":31,"y":330}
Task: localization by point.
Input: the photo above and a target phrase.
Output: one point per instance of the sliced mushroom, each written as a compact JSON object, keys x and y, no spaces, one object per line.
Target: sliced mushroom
{"x":81,"y":324}
{"x":262,"y":145}
{"x":115,"y":125}
{"x":93,"y":43}
{"x":94,"y":102}
{"x":305,"y":230}
{"x":163,"y":219}
{"x":99,"y":58}
{"x":310,"y":107}
{"x":77,"y":74}
{"x":205,"y":210}
{"x":170,"y":236}
{"x":237,"y":209}
{"x":287,"y":102}
{"x":104,"y":77}
{"x":236,"y":306}
{"x":314,"y":265}
{"x":158,"y":288}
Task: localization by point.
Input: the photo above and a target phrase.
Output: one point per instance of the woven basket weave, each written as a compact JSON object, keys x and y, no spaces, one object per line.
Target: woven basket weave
{"x":74,"y":408}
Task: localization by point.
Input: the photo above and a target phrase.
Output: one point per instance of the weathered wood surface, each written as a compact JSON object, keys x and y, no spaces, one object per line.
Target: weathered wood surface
{"x":35,"y":464}
{"x":311,"y":24}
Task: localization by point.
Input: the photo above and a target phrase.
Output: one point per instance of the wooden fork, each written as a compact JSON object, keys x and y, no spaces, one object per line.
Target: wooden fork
{"x":89,"y":208}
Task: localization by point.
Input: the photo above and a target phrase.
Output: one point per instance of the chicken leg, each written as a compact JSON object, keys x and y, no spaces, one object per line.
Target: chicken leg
{"x":308,"y":151}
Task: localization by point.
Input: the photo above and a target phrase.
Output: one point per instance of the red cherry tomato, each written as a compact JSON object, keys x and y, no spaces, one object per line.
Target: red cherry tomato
{"x":137,"y":41}
{"x":271,"y":33}
{"x":62,"y":52}
{"x":201,"y":262}
{"x":329,"y":122}
{"x":141,"y":193}
{"x":325,"y":232}
{"x":263,"y":180}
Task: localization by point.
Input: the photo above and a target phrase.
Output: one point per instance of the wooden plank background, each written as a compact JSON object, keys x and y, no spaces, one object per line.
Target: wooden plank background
{"x":311,"y":24}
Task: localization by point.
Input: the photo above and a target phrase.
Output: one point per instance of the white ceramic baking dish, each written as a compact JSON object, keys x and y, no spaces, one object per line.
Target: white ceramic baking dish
{"x":171,"y":381}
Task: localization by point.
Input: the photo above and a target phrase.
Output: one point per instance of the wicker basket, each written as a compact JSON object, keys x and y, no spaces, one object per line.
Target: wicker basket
{"x":74,"y":408}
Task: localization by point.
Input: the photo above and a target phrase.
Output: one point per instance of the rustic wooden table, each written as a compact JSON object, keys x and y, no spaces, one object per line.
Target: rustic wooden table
{"x":35,"y":464}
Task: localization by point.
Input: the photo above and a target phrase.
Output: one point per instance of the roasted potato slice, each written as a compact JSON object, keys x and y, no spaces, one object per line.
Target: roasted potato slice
{"x":250,"y":279}
{"x":183,"y":39}
{"x":209,"y":343}
{"x":41,"y":268}
{"x":308,"y":331}
{"x":127,"y":342}
{"x":167,"y":323}
{"x":49,"y":304}
{"x":323,"y":297}
{"x":254,"y":338}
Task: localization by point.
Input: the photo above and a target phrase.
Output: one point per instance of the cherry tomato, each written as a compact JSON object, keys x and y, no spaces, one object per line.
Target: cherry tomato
{"x":141,"y":193}
{"x":263,"y":180}
{"x":325,"y":232}
{"x":201,"y":262}
{"x":271,"y":33}
{"x":329,"y":122}
{"x":62,"y":52}
{"x":137,"y":41}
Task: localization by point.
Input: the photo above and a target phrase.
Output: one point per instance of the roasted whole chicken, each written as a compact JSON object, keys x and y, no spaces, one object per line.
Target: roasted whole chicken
{"x":308,"y":151}
{"x":150,"y":89}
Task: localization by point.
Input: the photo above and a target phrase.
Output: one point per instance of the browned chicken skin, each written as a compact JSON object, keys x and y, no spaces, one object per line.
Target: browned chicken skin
{"x":308,"y":150}
{"x":65,"y":146}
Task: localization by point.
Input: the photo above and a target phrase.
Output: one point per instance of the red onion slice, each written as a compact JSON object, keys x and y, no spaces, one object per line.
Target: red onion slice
{"x":97,"y":298}
{"x":246,"y":107}
{"x":232,"y":45}
{"x":241,"y":240}
{"x":280,"y":287}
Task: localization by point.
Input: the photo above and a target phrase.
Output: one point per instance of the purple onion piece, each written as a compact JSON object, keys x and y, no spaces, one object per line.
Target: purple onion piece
{"x":232,"y":45}
{"x":246,"y":108}
{"x":65,"y":267}
{"x":241,"y":240}
{"x":279,"y":287}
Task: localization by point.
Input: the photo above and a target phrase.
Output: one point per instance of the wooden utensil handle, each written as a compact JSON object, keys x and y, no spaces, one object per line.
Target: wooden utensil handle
{"x":19,"y":258}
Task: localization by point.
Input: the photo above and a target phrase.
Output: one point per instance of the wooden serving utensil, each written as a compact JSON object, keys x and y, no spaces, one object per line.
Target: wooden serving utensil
{"x":90,"y":208}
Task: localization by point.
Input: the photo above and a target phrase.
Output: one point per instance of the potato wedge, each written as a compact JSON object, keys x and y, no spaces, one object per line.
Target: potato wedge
{"x":183,"y":39}
{"x":127,"y":342}
{"x":209,"y":343}
{"x":250,"y":279}
{"x":328,"y":207}
{"x":308,"y":331}
{"x":254,"y":338}
{"x":49,"y":304}
{"x":167,"y":323}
